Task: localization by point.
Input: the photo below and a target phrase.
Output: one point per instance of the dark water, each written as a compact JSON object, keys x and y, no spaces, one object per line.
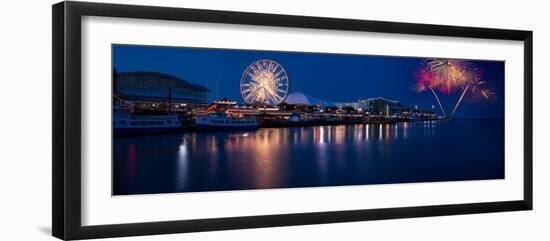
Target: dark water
{"x":309,"y":157}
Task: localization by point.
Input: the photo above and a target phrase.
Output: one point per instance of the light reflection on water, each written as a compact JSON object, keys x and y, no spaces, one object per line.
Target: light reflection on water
{"x":305,"y":156}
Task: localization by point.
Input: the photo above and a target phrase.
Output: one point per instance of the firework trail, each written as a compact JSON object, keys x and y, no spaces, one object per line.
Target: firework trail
{"x":427,"y":81}
{"x":476,"y":82}
{"x":438,"y":102}
{"x":460,"y":99}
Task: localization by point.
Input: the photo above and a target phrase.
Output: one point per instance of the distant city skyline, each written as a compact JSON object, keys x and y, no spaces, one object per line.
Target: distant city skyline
{"x":329,"y":77}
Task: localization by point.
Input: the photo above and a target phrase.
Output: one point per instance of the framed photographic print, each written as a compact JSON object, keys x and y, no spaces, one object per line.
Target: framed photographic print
{"x":170,"y":120}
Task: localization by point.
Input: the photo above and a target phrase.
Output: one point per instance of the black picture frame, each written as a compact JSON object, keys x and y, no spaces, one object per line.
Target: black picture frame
{"x":66,"y":159}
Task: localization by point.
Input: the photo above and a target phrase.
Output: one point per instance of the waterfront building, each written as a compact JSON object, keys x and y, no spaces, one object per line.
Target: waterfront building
{"x":362,"y":104}
{"x":376,"y":106}
{"x":157,"y":90}
{"x":381,"y":106}
{"x":341,"y":105}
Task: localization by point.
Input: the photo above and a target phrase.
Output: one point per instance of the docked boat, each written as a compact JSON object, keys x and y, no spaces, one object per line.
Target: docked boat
{"x":221,"y":122}
{"x":128,"y":123}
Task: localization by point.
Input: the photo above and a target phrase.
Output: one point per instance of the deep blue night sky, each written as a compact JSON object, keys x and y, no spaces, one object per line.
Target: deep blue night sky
{"x":330,"y":77}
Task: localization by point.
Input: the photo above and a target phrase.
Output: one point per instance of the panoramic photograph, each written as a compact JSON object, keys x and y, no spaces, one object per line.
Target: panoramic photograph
{"x":187,"y":119}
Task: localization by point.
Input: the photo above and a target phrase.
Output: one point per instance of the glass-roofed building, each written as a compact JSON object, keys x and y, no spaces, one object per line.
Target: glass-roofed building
{"x":157,"y":88}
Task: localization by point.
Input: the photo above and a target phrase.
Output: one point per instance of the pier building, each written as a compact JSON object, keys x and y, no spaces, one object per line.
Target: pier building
{"x":157,"y":90}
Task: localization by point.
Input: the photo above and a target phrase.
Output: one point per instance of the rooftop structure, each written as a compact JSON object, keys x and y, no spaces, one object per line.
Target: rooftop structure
{"x":299,"y":98}
{"x":158,"y":87}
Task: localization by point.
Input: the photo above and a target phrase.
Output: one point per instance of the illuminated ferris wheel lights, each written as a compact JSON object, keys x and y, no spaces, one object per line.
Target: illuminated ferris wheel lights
{"x":264,"y":81}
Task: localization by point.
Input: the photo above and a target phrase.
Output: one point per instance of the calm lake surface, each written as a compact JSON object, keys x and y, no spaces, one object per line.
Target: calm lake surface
{"x":309,"y":157}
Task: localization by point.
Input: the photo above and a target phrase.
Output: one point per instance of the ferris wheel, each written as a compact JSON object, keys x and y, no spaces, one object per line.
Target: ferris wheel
{"x":265,"y":82}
